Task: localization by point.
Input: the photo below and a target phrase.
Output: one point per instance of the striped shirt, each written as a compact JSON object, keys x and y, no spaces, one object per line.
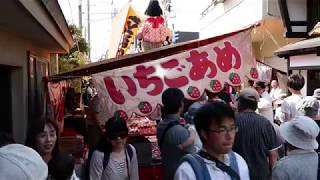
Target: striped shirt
{"x":255,"y":138}
{"x":116,"y":169}
{"x":118,"y":166}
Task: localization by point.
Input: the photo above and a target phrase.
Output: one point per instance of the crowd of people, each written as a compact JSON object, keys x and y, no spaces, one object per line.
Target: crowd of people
{"x":112,"y":158}
{"x":264,"y":135}
{"x":39,"y":159}
{"x":220,"y":139}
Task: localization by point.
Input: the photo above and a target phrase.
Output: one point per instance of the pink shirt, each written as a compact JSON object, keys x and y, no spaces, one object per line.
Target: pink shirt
{"x":153,"y":30}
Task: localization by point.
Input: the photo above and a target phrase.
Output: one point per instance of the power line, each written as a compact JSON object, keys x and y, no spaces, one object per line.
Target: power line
{"x":80,"y":15}
{"x":71,"y":12}
{"x":88,"y":2}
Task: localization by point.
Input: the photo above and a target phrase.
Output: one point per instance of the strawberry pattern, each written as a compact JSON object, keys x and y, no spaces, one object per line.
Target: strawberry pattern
{"x":254,"y":73}
{"x":215,"y":85}
{"x":193,"y":92}
{"x":235,"y":78}
{"x":121,"y":114}
{"x":145,"y":107}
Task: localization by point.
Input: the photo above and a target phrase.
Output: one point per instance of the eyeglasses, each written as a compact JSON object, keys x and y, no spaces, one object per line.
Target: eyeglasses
{"x":224,"y":130}
{"x":122,"y":135}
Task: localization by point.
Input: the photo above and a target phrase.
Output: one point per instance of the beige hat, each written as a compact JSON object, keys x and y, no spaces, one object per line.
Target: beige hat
{"x":249,"y":94}
{"x":300,"y":132}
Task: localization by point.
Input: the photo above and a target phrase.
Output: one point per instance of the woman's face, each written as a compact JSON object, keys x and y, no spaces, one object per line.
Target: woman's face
{"x":46,"y":140}
{"x":119,"y":140}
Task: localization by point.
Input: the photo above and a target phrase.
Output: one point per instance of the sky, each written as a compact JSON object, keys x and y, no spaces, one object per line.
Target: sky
{"x":187,"y":16}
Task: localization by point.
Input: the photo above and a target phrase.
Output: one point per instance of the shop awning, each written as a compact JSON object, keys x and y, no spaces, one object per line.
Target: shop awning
{"x":132,"y":59}
{"x":309,"y":46}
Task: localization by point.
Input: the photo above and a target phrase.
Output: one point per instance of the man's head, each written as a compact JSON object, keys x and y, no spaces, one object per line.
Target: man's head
{"x":216,"y":127}
{"x":248,"y":99}
{"x":301,"y":132}
{"x":61,"y":166}
{"x":173,"y":101}
{"x":274,"y":84}
{"x":308,"y":106}
{"x":260,"y":86}
{"x":295,"y":82}
{"x":192,"y":110}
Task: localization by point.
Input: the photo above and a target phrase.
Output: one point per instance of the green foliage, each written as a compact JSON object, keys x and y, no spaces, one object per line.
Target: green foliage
{"x":76,"y":57}
{"x":80,"y":43}
{"x":78,"y":53}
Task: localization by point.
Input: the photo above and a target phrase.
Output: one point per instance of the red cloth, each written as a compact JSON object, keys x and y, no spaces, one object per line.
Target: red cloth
{"x":57,"y":93}
{"x":155,"y":21}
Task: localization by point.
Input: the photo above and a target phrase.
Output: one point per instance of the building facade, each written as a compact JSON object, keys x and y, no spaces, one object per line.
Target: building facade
{"x":300,"y":19}
{"x":223,"y":16}
{"x":32,"y":33}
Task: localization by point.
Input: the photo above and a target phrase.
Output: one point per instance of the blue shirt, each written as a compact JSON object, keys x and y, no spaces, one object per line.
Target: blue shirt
{"x":299,"y":164}
{"x":170,"y":152}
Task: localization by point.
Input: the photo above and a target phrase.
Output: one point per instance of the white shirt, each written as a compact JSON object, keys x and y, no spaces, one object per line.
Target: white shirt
{"x":289,"y":106}
{"x":265,"y":106}
{"x":185,"y":171}
{"x":279,"y":115}
{"x":275,"y":93}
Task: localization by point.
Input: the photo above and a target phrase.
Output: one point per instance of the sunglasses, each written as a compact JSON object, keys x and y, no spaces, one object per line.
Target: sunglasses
{"x":114,"y":136}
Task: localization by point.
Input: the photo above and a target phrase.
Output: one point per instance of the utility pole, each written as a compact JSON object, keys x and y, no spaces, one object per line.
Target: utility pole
{"x":88,"y":1}
{"x":80,"y":15}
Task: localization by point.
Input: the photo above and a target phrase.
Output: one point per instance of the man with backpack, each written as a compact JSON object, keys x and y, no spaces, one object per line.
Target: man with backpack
{"x":174,"y":140}
{"x":215,"y":124}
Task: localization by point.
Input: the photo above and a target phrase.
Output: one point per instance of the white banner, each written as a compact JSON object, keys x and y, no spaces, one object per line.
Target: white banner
{"x":137,"y":89}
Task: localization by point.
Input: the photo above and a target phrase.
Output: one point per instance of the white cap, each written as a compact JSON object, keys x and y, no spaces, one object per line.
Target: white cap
{"x":20,"y":162}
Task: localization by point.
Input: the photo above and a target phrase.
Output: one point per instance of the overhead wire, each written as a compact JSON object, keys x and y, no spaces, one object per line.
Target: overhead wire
{"x":72,"y":19}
